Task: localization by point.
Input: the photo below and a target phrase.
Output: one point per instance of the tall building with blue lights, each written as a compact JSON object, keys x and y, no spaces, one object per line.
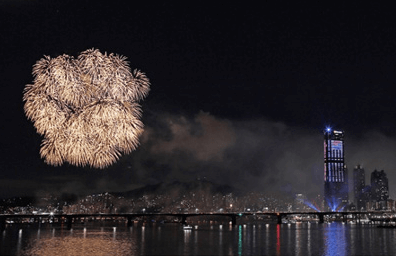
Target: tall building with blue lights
{"x":335,"y":171}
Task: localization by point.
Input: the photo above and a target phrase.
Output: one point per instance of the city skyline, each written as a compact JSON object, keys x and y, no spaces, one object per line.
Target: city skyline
{"x":239,"y":95}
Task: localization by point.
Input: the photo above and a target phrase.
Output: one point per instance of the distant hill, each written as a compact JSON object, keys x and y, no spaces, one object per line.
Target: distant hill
{"x":176,"y":189}
{"x":179,"y":187}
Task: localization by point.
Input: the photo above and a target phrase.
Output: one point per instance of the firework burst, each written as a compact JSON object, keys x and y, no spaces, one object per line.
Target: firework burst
{"x":86,"y":108}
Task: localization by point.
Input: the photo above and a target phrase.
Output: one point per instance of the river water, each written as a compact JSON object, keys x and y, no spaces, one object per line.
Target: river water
{"x":111,"y":238}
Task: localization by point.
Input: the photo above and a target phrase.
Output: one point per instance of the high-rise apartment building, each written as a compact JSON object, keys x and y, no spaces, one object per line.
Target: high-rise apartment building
{"x":379,"y":189}
{"x":335,"y":171}
{"x":359,"y":184}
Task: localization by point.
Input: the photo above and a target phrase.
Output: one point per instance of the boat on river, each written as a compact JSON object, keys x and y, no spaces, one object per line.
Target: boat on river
{"x":187,"y":227}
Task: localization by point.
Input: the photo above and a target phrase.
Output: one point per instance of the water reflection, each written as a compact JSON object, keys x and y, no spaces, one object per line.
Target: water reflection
{"x":187,"y":246}
{"x":221,"y":236}
{"x":335,"y":240}
{"x":19,"y":241}
{"x":171,"y":239}
{"x":240,"y":240}
{"x":187,"y":236}
{"x":254,"y":237}
{"x":298,"y":240}
{"x":3,"y":238}
{"x":84,"y":241}
{"x":309,"y":239}
{"x":67,"y":246}
{"x":278,"y":245}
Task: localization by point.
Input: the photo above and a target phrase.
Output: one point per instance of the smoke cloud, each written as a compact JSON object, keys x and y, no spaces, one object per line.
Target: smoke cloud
{"x":252,"y":155}
{"x":258,"y":154}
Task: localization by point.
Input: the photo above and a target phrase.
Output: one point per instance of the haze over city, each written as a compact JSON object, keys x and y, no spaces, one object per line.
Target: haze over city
{"x":239,"y":95}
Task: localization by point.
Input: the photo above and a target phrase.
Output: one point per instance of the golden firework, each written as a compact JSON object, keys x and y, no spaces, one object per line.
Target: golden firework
{"x":86,"y":108}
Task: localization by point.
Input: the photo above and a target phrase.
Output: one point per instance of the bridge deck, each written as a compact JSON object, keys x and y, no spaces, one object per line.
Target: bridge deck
{"x":183,"y":216}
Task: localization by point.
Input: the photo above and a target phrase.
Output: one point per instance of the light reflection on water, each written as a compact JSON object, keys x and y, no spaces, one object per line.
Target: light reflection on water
{"x":205,"y":239}
{"x":74,"y":242}
{"x":335,"y":240}
{"x":240,"y":240}
{"x":19,"y":240}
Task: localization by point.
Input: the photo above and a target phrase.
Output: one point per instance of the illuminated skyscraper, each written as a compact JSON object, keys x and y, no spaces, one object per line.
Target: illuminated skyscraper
{"x":335,"y":171}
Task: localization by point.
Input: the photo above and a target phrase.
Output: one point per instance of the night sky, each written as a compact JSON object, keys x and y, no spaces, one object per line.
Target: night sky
{"x":240,"y":93}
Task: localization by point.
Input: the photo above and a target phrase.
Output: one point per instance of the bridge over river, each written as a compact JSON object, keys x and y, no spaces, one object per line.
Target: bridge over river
{"x":182,"y":217}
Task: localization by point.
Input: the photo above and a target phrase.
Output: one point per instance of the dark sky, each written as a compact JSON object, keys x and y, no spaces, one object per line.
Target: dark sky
{"x":240,"y":93}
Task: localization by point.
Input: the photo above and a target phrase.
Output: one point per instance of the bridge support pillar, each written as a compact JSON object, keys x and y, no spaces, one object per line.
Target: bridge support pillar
{"x":321,"y":218}
{"x":69,"y":222}
{"x":183,"y":219}
{"x":233,"y":219}
{"x":129,"y":224}
{"x":279,"y":218}
{"x":2,"y":223}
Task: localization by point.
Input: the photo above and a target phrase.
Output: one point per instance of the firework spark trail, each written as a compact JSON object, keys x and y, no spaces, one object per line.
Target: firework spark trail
{"x":86,"y":108}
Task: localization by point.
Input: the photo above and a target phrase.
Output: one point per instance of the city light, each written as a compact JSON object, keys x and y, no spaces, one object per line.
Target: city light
{"x":311,"y":205}
{"x":335,"y":173}
{"x":335,"y":205}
